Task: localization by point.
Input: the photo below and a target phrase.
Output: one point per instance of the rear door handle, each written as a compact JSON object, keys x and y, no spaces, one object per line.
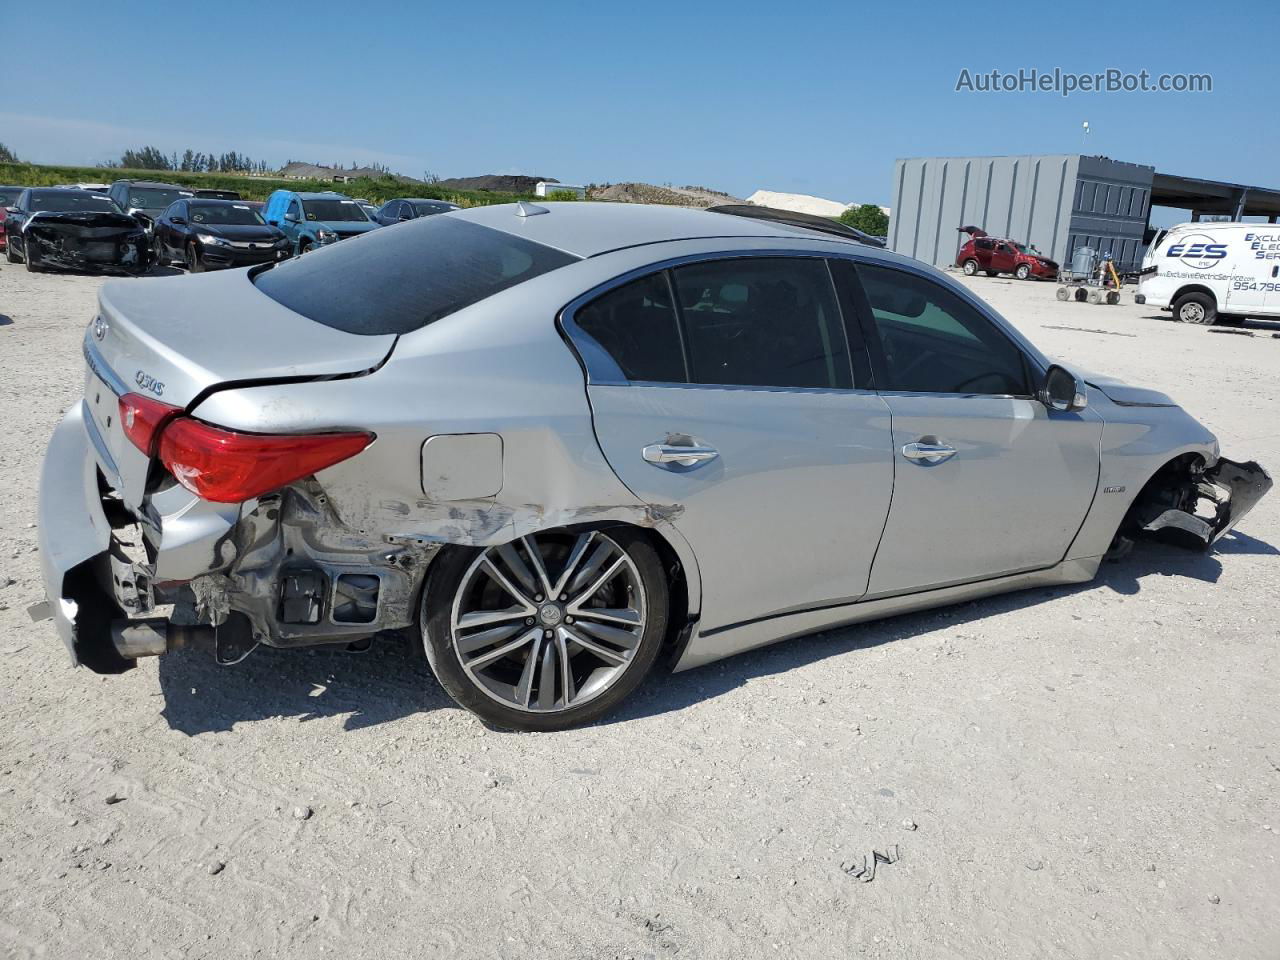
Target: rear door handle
{"x":922,"y":452}
{"x":666,"y":453}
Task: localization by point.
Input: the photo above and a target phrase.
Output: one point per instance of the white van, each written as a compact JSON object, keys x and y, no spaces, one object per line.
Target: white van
{"x":1214,"y":272}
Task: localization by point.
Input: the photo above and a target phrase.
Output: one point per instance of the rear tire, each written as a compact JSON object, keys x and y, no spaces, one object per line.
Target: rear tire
{"x":501,"y":691}
{"x":1196,"y":308}
{"x":970,"y":268}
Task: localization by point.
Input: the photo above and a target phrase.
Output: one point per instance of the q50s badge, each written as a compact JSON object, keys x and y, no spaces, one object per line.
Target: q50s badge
{"x":148,"y":382}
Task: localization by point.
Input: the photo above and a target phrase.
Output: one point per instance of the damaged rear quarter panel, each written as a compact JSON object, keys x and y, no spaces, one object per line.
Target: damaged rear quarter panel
{"x":498,"y":367}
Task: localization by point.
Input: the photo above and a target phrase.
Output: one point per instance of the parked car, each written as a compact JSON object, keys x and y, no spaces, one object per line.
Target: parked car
{"x":562,"y":442}
{"x":313,"y":220}
{"x":208,"y":234}
{"x":7,"y":197}
{"x":146,"y":199}
{"x":74,"y":230}
{"x":1214,"y":272}
{"x":368,"y":208}
{"x":410,"y":208}
{"x":994,"y":256}
{"x":210,"y":194}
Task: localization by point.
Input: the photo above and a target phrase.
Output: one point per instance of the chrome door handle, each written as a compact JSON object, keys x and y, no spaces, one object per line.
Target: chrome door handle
{"x":922,"y":452}
{"x":663,"y":453}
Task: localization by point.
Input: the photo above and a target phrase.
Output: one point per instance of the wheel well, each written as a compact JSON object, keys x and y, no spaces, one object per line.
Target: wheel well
{"x":1167,"y":488}
{"x":1193,"y":288}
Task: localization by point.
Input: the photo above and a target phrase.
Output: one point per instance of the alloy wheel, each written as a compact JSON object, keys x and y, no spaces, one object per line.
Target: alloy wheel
{"x":550,"y":621}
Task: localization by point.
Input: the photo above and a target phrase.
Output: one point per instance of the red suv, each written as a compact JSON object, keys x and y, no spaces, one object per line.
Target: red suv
{"x":994,"y":256}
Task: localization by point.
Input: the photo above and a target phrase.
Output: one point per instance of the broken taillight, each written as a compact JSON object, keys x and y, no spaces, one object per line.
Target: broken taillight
{"x":143,"y":418}
{"x":227,"y":466}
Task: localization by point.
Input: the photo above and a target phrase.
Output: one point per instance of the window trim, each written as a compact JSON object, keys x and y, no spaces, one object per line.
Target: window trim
{"x":1033,"y":371}
{"x":602,"y":370}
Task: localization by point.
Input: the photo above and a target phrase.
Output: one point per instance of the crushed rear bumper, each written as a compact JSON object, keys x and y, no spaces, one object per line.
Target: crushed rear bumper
{"x":74,"y":537}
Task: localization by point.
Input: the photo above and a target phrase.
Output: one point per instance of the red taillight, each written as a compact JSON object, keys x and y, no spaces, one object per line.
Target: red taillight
{"x":228,"y":467}
{"x":143,"y":418}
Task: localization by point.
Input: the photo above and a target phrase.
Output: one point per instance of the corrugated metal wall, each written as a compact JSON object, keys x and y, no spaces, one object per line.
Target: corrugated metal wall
{"x":1109,"y":211}
{"x":1033,"y":199}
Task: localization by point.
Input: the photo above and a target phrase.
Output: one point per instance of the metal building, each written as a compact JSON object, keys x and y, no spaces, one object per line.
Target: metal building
{"x":1056,"y":201}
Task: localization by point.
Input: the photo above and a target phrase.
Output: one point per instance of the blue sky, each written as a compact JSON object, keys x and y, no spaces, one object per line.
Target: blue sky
{"x":739,"y":96}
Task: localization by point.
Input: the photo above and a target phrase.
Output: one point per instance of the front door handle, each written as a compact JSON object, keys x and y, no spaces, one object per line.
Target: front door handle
{"x":928,"y":452}
{"x":665,"y":453}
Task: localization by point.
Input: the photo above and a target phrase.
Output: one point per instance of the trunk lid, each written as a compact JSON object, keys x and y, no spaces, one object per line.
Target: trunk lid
{"x":176,"y":338}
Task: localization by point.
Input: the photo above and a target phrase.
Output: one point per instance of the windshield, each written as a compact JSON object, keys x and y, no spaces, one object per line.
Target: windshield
{"x":225,"y":215}
{"x":334,"y":210}
{"x":154,"y":198}
{"x":71,"y":201}
{"x":395,"y":281}
{"x":218,"y":194}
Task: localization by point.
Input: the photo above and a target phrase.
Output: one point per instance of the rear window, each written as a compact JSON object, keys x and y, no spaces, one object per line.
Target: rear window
{"x":396,"y":281}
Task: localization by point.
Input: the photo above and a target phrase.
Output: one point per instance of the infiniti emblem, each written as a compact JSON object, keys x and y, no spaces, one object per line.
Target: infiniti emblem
{"x":99,"y":328}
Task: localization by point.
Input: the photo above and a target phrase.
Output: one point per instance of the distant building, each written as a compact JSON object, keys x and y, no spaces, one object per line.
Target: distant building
{"x":544,"y":188}
{"x":1058,"y":202}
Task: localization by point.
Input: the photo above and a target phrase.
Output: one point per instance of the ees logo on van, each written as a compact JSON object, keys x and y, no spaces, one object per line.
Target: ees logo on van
{"x":1197,"y":251}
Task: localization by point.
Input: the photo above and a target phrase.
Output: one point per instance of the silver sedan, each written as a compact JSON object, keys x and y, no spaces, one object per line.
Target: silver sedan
{"x":559,"y":443}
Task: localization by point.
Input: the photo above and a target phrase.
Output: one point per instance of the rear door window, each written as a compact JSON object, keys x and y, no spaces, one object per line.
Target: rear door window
{"x":636,"y":325}
{"x":765,"y":321}
{"x":397,"y":281}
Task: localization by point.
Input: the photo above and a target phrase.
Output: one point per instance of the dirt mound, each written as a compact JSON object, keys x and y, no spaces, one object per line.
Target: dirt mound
{"x":648,"y":193}
{"x":495,"y":182}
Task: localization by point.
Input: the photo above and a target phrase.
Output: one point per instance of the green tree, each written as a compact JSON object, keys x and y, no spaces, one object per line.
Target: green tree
{"x":868,"y":218}
{"x":7,"y":155}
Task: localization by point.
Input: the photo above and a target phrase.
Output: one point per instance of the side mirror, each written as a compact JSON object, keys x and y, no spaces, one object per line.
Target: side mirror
{"x":1062,"y":391}
{"x":291,"y":218}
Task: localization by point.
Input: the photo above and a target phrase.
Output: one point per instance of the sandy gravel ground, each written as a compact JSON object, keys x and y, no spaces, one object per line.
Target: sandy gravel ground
{"x":1090,"y":772}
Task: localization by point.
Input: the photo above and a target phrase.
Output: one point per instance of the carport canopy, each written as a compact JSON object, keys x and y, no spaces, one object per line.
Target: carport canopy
{"x":1216,"y":197}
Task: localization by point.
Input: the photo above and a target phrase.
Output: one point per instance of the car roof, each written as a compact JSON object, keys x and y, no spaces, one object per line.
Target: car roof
{"x":214,"y":201}
{"x":324,"y":195}
{"x":587,"y":228}
{"x":155,"y":183}
{"x":425,"y":200}
{"x":63,"y":191}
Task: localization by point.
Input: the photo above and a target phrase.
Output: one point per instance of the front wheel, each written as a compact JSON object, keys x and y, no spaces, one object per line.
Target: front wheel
{"x":33,"y":264}
{"x":304,"y":246}
{"x":1023,"y":272}
{"x":194,"y":263}
{"x":549,"y":631}
{"x":9,"y":253}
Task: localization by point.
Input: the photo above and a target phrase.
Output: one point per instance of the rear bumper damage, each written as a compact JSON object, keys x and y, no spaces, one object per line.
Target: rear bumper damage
{"x":282,"y":570}
{"x":1210,"y":505}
